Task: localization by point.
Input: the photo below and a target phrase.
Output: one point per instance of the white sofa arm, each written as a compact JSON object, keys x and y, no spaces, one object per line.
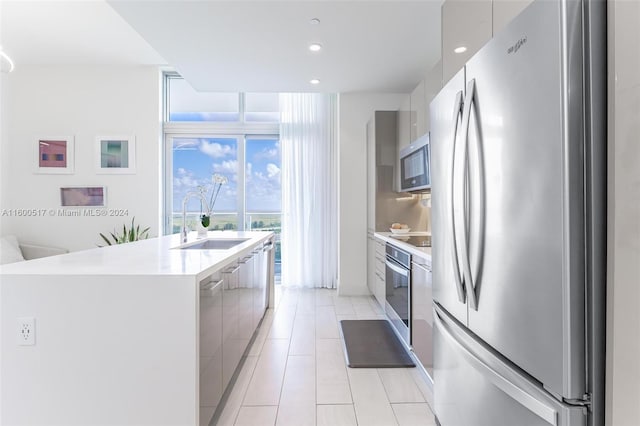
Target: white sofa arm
{"x":33,"y":251}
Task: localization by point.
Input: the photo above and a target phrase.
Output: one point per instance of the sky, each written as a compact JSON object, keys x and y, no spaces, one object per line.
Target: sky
{"x":195,"y":160}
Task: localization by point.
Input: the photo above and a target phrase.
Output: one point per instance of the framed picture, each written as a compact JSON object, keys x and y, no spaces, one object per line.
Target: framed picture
{"x":116,"y":154}
{"x":83,"y":196}
{"x":54,"y":155}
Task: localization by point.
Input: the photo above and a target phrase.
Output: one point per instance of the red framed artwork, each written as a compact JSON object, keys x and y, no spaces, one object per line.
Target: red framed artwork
{"x":55,"y":155}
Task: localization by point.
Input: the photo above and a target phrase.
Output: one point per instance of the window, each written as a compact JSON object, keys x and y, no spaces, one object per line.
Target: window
{"x":262,"y":107}
{"x":195,"y":160}
{"x":186,"y":104}
{"x":262,"y":168}
{"x":233,"y":134}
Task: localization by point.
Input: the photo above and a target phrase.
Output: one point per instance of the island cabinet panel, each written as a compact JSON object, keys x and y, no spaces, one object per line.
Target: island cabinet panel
{"x":211,"y":339}
{"x":258,"y":287}
{"x":261,"y":271}
{"x":245,"y":300}
{"x":121,"y":350}
{"x":232,"y":343}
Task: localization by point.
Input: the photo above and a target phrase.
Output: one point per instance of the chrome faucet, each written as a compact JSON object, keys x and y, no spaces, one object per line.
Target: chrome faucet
{"x":203,"y":202}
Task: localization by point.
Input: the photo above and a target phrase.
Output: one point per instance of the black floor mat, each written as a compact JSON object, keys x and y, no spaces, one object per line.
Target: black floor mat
{"x":373,"y":344}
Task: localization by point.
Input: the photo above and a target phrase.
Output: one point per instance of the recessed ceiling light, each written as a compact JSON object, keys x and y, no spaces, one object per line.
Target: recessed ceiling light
{"x":314,"y":21}
{"x":315,"y":47}
{"x":460,"y":49}
{"x":315,"y":81}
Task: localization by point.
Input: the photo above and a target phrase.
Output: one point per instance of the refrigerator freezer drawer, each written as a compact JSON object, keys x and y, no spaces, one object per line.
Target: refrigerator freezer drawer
{"x":474,"y":387}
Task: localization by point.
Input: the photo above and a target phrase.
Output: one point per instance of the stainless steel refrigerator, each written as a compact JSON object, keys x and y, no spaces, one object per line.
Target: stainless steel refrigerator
{"x":518,"y":196}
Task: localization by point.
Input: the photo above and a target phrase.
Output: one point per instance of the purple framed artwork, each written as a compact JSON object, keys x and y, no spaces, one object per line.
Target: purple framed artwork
{"x":83,"y":196}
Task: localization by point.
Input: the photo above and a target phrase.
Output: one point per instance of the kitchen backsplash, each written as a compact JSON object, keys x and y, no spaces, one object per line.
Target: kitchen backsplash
{"x":405,"y":208}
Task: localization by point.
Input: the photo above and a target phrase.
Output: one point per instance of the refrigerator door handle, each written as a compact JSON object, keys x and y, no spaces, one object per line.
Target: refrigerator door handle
{"x":542,"y":410}
{"x":458,"y":274}
{"x":466,"y":263}
{"x":478,"y":199}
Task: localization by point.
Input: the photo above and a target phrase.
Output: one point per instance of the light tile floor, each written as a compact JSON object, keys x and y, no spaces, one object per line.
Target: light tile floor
{"x":295,"y":373}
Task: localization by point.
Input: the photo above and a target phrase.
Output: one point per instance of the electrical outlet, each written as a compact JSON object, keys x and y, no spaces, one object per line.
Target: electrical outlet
{"x":26,"y":331}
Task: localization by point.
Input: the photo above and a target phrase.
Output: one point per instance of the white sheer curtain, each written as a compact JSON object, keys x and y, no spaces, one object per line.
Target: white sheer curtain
{"x":308,"y":137}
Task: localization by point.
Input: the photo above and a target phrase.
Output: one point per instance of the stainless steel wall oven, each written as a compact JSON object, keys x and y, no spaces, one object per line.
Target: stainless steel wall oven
{"x":398,"y":293}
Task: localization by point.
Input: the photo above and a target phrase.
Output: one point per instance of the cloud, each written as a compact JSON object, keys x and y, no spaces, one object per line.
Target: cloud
{"x":268,"y":153}
{"x":215,"y":150}
{"x":264,"y":188}
{"x":265,"y":180}
{"x":272,"y":170}
{"x":185,"y":144}
{"x":185,"y":179}
{"x":229,"y":168}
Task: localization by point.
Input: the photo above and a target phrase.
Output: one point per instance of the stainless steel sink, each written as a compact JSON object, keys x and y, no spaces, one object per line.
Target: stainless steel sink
{"x":215,"y":244}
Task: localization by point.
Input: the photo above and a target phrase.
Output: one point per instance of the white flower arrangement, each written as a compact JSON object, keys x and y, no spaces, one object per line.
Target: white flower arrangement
{"x":218,"y":180}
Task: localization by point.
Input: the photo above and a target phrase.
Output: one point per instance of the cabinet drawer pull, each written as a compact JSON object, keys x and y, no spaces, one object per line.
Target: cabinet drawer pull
{"x":422,"y":266}
{"x":211,"y":285}
{"x":231,"y":270}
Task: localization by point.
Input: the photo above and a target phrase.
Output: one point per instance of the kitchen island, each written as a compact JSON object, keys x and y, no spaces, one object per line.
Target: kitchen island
{"x":140,"y":333}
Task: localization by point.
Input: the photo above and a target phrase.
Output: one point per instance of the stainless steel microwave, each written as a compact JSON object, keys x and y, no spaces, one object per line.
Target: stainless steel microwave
{"x":415,"y":165}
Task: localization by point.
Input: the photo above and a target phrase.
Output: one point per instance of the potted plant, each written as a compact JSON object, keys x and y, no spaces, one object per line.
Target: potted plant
{"x":134,"y":233}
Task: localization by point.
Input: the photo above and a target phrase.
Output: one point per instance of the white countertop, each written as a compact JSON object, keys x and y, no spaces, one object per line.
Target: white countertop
{"x":154,"y":256}
{"x":395,"y":239}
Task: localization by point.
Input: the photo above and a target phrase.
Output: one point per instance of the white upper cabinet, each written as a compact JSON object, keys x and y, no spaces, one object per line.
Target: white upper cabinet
{"x":470,"y":24}
{"x":505,"y":10}
{"x":465,"y":23}
{"x":404,"y":123}
{"x":418,"y":112}
{"x":432,"y":86}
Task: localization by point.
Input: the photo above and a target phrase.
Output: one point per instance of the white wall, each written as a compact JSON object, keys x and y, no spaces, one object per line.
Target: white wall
{"x":355,"y":110}
{"x":83,"y":101}
{"x":623,"y":296}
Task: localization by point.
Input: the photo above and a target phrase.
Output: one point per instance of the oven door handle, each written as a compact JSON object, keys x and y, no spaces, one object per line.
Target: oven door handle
{"x":398,"y":269}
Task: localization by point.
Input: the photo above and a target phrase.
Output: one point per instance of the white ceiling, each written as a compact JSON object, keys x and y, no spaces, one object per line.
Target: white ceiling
{"x":260,"y":46}
{"x":70,"y":32}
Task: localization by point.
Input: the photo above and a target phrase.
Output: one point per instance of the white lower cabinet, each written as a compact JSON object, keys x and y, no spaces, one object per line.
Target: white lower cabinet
{"x":422,"y":312}
{"x":371,"y":256}
{"x":379,"y":287}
